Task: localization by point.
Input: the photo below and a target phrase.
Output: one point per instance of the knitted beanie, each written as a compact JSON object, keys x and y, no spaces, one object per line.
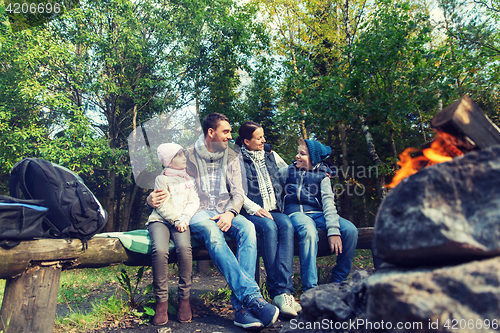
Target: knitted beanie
{"x":167,"y":151}
{"x":317,"y":151}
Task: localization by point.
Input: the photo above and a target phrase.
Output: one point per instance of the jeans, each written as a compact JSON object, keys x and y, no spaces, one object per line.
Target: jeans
{"x":160,"y":234}
{"x":306,"y":226}
{"x":277,"y":250}
{"x":239,"y":270}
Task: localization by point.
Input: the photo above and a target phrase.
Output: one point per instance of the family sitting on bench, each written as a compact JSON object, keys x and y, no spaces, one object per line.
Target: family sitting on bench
{"x":209,"y":189}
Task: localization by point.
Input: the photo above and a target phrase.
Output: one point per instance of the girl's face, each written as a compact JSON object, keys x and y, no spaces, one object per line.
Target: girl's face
{"x":179,"y":161}
{"x":257,"y":141}
{"x":303,"y":159}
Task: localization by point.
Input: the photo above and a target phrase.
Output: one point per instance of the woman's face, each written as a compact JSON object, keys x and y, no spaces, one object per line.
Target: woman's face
{"x":257,"y":141}
{"x":303,"y":159}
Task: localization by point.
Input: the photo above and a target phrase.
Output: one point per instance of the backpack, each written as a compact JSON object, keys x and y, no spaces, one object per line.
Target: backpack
{"x":73,"y":210}
{"x":20,"y":220}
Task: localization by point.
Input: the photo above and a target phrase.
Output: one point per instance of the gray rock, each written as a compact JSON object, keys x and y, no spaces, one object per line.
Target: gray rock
{"x":330,"y":305}
{"x":466,"y":297}
{"x":445,"y":214}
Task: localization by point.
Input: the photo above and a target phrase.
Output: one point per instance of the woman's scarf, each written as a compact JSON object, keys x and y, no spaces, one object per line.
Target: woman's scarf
{"x":266,"y":187}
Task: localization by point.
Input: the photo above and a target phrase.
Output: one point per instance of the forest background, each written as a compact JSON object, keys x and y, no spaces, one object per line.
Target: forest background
{"x":364,"y":77}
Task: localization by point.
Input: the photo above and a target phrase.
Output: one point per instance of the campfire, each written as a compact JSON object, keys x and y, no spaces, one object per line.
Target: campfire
{"x":461,"y":127}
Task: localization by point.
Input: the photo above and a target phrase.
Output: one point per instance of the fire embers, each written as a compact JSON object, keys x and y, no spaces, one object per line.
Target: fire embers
{"x":444,"y":147}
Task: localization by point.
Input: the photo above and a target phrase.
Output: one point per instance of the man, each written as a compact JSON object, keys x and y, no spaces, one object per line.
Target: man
{"x":217,"y":171}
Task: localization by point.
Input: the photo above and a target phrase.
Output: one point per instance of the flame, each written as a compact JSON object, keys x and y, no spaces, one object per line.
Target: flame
{"x":442,"y":149}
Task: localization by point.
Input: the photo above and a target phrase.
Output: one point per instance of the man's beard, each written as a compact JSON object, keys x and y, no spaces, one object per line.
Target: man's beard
{"x":218,"y":146}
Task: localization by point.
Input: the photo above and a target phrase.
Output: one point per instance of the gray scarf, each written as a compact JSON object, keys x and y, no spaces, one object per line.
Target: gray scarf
{"x":202,"y":155}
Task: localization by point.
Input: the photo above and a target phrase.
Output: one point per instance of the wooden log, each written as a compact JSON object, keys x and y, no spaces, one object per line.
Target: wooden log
{"x":464,"y":117}
{"x":102,"y":252}
{"x":30,"y":301}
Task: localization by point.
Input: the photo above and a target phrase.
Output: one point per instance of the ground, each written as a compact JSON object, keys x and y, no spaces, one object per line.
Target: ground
{"x":208,"y":316}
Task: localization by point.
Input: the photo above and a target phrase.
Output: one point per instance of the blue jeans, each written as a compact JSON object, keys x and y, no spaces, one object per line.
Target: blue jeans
{"x":306,"y":226}
{"x":239,"y":270}
{"x":277,"y":250}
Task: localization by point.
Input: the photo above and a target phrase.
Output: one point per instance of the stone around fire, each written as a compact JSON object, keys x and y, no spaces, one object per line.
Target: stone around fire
{"x":445,"y":214}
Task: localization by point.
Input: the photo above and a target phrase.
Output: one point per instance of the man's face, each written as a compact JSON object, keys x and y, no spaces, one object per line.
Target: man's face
{"x":220,"y":136}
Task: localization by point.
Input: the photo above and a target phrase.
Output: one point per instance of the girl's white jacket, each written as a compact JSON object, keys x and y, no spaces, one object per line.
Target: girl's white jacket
{"x":181,"y":204}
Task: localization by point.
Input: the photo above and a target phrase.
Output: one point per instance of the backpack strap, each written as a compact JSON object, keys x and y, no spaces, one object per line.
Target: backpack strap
{"x":16,"y":180}
{"x":9,"y":243}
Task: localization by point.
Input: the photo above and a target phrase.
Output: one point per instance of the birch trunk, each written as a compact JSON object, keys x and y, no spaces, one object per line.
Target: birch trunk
{"x":382,"y":191}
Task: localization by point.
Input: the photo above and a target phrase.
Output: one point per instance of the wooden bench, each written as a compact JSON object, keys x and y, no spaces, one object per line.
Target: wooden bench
{"x":32,"y":270}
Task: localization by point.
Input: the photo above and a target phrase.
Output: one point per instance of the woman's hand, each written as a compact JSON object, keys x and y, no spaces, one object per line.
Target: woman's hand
{"x":264,"y":213}
{"x":335,"y":244}
{"x":156,"y":198}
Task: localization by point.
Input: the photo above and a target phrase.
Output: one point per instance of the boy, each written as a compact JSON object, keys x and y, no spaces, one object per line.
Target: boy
{"x":310,"y":203}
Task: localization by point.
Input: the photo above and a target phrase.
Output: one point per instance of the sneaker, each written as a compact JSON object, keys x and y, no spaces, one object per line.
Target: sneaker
{"x":244,"y":318}
{"x":295,"y":305}
{"x":284,"y":303}
{"x":267,"y":313}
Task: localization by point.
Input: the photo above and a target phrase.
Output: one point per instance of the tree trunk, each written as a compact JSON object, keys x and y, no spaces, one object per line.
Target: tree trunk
{"x":393,"y":146}
{"x":30,"y":301}
{"x":129,"y":201}
{"x":345,"y":198}
{"x":110,"y":202}
{"x":382,"y":191}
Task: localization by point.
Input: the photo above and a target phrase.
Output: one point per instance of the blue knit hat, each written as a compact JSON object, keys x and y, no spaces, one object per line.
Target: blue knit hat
{"x":317,"y":151}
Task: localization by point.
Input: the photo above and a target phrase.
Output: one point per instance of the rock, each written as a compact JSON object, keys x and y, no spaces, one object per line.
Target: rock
{"x":466,"y":298}
{"x":330,"y":305}
{"x":448,"y":213}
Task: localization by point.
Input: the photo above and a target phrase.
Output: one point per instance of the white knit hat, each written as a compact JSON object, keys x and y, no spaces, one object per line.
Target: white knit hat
{"x":167,"y":151}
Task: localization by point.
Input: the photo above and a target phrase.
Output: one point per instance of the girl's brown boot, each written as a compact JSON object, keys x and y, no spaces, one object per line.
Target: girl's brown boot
{"x":184,"y":315}
{"x":161,"y":315}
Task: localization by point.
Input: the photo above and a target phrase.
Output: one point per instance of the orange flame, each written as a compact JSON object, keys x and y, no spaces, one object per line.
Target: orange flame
{"x":442,"y":149}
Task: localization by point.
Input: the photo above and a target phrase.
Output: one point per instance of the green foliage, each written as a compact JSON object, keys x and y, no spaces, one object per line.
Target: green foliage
{"x":136,"y":298}
{"x":105,"y":310}
{"x":221,"y":294}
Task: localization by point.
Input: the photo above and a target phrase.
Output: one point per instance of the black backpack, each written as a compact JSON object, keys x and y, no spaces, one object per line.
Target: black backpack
{"x":20,"y":220}
{"x":73,"y":210}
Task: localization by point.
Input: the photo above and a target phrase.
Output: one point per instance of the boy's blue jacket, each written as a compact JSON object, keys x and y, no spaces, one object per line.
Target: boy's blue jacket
{"x":310,"y":191}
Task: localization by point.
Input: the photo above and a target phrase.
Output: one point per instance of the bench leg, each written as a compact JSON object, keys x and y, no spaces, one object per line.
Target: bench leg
{"x":204,"y":266}
{"x":30,"y":301}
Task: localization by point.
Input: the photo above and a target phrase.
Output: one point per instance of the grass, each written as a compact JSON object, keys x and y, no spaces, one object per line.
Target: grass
{"x":95,"y":299}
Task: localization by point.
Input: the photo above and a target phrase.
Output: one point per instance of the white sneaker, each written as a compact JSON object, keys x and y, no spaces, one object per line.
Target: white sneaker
{"x":295,"y":305}
{"x":285,"y":303}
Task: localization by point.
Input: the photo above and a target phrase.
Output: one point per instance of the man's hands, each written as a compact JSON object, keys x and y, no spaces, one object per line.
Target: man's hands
{"x":156,"y":198}
{"x":335,"y":244}
{"x":224,"y":221}
{"x":264,"y":213}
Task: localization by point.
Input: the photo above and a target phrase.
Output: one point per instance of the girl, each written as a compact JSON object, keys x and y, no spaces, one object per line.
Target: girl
{"x":171,"y":220}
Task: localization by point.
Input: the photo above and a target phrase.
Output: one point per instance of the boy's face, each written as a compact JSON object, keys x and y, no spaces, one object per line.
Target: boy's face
{"x":178,"y":162}
{"x":303,"y":159}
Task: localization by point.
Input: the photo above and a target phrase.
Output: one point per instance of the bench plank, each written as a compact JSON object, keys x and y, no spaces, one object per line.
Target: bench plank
{"x":103,"y":252}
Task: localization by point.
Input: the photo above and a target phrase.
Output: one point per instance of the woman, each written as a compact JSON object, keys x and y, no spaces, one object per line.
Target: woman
{"x":262,"y":207}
